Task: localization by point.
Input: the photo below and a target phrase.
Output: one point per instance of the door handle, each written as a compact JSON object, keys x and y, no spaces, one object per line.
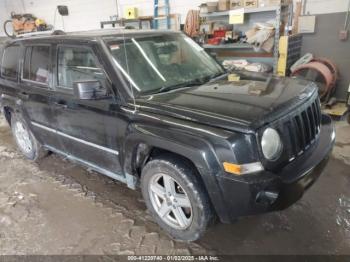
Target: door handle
{"x":24,"y":95}
{"x":61,"y":104}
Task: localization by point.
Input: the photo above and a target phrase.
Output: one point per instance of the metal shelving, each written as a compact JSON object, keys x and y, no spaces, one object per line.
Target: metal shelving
{"x":276,"y":13}
{"x":229,"y":46}
{"x":246,"y":11}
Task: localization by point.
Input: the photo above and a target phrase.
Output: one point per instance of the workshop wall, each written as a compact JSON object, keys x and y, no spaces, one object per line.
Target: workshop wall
{"x":325,"y":43}
{"x":84,"y":14}
{"x":176,"y":7}
{"x":3,"y":17}
{"x":325,"y":6}
{"x":87,"y":14}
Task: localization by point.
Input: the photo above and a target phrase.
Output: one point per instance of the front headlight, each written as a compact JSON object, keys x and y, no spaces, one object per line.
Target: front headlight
{"x":271,"y":144}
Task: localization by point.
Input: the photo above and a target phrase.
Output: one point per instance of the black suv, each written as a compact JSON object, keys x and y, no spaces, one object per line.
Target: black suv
{"x":153,"y":109}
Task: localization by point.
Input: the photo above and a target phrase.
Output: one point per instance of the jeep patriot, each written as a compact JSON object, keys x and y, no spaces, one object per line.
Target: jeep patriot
{"x":153,"y":110}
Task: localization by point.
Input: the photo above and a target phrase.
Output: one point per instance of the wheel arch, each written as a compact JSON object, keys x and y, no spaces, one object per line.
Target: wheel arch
{"x":141,"y":148}
{"x":146,"y":153}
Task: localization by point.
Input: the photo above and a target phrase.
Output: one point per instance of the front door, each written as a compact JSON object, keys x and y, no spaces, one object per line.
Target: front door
{"x":85,"y":126}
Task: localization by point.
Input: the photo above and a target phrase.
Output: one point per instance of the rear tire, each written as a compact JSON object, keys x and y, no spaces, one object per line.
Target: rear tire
{"x":25,"y":140}
{"x":176,"y":198}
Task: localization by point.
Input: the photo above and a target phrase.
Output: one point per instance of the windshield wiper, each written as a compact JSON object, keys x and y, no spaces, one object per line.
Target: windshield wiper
{"x":214,"y":77}
{"x":196,"y":82}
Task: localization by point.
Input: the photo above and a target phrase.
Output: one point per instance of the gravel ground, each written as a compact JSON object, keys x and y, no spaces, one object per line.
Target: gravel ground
{"x":46,"y":212}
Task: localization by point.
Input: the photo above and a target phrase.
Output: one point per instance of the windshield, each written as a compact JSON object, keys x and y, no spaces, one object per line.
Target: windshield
{"x":159,"y":63}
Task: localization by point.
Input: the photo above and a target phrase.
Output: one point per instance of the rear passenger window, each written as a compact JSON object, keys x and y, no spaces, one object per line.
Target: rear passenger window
{"x":9,"y":64}
{"x":37,"y":64}
{"x":77,"y":64}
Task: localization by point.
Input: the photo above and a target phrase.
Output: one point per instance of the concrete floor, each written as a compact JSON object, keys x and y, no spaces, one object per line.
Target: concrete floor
{"x":56,"y":207}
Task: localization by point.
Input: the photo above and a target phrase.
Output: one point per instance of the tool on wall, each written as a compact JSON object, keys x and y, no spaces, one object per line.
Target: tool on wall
{"x":24,"y":23}
{"x":165,"y":16}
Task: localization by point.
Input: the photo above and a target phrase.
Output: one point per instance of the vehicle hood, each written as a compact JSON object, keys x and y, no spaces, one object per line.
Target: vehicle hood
{"x":245,"y":104}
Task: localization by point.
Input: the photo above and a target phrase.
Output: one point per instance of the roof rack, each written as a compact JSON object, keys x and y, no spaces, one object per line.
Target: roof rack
{"x":41,"y":33}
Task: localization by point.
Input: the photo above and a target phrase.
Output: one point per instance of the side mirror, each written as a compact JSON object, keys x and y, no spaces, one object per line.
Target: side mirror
{"x":89,"y":90}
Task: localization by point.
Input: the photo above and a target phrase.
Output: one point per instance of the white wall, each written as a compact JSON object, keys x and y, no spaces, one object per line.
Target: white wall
{"x":3,"y":16}
{"x":86,"y":14}
{"x":326,"y":6}
{"x":83,"y":14}
{"x":176,"y":6}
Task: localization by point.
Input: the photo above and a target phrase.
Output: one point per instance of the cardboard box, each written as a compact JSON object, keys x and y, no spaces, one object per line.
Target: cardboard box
{"x":250,"y":3}
{"x":234,"y":4}
{"x":208,"y":7}
{"x":263,"y":3}
{"x":131,"y":12}
{"x":224,"y":5}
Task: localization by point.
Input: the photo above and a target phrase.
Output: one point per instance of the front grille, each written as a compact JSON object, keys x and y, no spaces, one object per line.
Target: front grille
{"x":301,"y":130}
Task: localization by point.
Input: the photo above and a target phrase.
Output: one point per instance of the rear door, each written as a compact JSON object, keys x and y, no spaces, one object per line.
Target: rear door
{"x":9,"y":74}
{"x":35,"y":91}
{"x":85,"y":126}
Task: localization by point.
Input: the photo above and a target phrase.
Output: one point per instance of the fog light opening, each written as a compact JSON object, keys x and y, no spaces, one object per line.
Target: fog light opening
{"x":267,"y":197}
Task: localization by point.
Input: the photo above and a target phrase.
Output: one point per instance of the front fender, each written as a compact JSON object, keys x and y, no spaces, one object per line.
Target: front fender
{"x":142,"y":138}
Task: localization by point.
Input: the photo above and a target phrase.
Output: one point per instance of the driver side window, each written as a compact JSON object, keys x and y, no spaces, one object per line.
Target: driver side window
{"x":76,"y":64}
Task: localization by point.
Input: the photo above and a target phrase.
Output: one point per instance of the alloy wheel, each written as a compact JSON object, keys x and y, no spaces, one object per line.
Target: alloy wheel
{"x":170,"y":201}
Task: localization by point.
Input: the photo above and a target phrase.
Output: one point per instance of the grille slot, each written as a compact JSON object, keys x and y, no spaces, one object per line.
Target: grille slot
{"x":301,"y":130}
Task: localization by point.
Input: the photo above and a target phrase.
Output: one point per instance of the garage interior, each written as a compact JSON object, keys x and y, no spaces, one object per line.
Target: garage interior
{"x":57,"y":207}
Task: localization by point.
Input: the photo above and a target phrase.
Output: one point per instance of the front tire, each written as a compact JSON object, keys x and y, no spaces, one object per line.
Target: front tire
{"x":176,"y":198}
{"x":25,"y":140}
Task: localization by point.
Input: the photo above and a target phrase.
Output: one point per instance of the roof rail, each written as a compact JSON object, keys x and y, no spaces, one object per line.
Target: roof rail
{"x":58,"y":32}
{"x":41,"y":33}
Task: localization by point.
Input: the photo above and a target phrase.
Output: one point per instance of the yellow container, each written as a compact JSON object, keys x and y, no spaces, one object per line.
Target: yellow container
{"x":131,"y":12}
{"x":283,"y":55}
